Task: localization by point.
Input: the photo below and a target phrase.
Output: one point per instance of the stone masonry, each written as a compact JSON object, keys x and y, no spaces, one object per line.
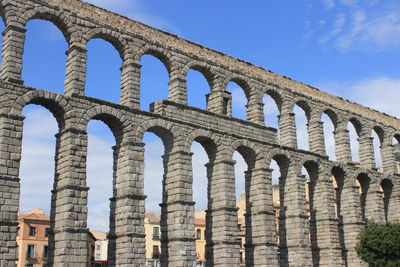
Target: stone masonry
{"x":342,"y":195}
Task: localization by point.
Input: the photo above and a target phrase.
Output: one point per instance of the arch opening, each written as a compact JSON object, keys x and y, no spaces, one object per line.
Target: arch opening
{"x":100,"y":174}
{"x":354,"y":131}
{"x":203,"y":150}
{"x":377,"y":135}
{"x":44,"y":58}
{"x":363,"y":182}
{"x":396,"y":151}
{"x":239,"y":99}
{"x":301,"y":120}
{"x":310,"y":172}
{"x":154,"y":170}
{"x":37,"y":174}
{"x":338,"y":179}
{"x":329,"y":137}
{"x":158,"y":144}
{"x":154,"y":80}
{"x":198,"y":88}
{"x":387,"y":189}
{"x":271,"y":110}
{"x":241,"y":186}
{"x":103,"y":73}
{"x":280,"y":167}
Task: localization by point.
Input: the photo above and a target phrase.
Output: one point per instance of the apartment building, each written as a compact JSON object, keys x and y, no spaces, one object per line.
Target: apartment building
{"x":32,"y":239}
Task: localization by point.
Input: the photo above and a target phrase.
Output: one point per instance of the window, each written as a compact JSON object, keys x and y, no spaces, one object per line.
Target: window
{"x":29,"y":265}
{"x":45,"y":252}
{"x":47,"y":232}
{"x":30,"y":253}
{"x":97,"y":256}
{"x":156,"y":252}
{"x":98,"y":247}
{"x":32,"y":231}
{"x":198,"y":234}
{"x":156,"y":233}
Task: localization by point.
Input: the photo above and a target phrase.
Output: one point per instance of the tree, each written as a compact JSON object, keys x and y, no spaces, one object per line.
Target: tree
{"x":397,"y":152}
{"x":379,"y":245}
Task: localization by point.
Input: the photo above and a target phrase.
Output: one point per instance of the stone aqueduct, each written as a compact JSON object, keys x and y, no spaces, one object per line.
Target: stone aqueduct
{"x":333,"y":234}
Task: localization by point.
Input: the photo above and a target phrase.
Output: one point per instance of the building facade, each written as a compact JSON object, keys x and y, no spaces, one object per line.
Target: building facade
{"x":32,"y":238}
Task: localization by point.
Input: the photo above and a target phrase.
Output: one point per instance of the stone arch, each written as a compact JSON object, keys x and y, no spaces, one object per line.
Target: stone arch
{"x":387,"y":185}
{"x":160,"y":53}
{"x":357,"y":125}
{"x":243,"y":83}
{"x":207,"y":139}
{"x":380,"y":133}
{"x":166,"y":131}
{"x":310,"y":161}
{"x":115,"y":120}
{"x":333,"y":116}
{"x":203,"y":68}
{"x":276,"y":96}
{"x":60,"y":20}
{"x":363,"y":180}
{"x":57,"y":104}
{"x":250,"y":153}
{"x":397,"y":137}
{"x":276,"y":153}
{"x":113,"y":37}
{"x":303,"y":104}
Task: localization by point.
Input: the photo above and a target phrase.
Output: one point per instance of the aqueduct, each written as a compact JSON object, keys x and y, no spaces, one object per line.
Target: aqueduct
{"x":337,"y":214}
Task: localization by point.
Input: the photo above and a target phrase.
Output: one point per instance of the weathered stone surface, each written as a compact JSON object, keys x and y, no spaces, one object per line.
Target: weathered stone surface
{"x":336,"y":214}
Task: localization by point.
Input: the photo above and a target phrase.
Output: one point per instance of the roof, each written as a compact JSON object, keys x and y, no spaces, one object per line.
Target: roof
{"x":35,"y":215}
{"x":99,"y":235}
{"x":152,"y":217}
{"x":198,"y":221}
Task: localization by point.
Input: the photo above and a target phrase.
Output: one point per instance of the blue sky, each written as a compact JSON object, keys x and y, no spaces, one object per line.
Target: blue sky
{"x":349,"y":48}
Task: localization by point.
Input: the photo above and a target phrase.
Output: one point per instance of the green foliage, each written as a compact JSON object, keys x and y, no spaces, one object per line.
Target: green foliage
{"x":379,"y":245}
{"x":397,"y":151}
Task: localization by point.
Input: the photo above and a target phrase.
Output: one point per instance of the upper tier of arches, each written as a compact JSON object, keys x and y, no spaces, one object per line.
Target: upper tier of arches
{"x":131,"y":48}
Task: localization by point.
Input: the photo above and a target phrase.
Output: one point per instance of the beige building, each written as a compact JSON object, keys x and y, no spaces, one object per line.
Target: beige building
{"x":100,"y":248}
{"x":153,"y":234}
{"x":32,"y":239}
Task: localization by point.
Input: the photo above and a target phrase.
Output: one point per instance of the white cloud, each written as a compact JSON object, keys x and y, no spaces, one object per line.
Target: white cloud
{"x":379,"y":93}
{"x":329,"y":4}
{"x":375,"y":28}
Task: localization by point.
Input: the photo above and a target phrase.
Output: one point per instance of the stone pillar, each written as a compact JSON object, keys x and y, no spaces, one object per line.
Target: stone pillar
{"x":177,"y":91}
{"x":294,"y":230}
{"x":324,"y":225}
{"x":130,"y":82}
{"x":222,"y":246}
{"x":69,"y":240}
{"x":342,"y":143}
{"x":316,"y":135}
{"x":255,"y":109}
{"x":127,"y":234}
{"x":261,"y":248}
{"x":220,"y":102}
{"x":177,"y":212}
{"x":351,"y":222}
{"x":12,"y":52}
{"x":366,"y":151}
{"x":374,"y":208}
{"x":287,"y":129}
{"x":75,"y":77}
{"x":388,"y":157}
{"x":394,"y":204}
{"x":10,"y":156}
